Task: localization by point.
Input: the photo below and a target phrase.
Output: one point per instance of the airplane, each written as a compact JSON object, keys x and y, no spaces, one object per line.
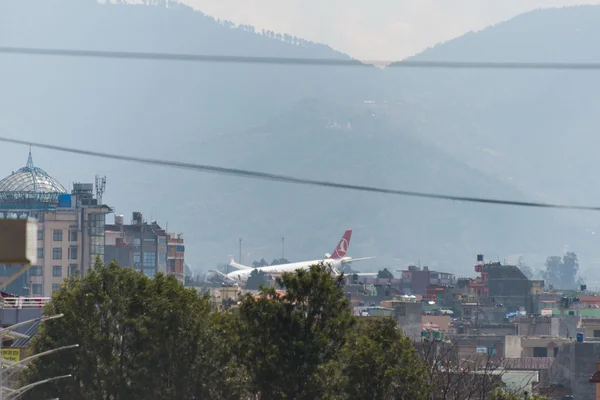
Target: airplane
{"x":333,"y":261}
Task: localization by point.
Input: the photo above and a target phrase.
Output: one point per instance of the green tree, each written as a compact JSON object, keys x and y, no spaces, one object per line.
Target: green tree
{"x":385,"y":274}
{"x":261,"y":263}
{"x":377,"y":362}
{"x":552,"y":274}
{"x":139,"y":338}
{"x":280,"y":261}
{"x":568,"y":272}
{"x":562,"y":272}
{"x":287,"y":338}
{"x":256,"y":279}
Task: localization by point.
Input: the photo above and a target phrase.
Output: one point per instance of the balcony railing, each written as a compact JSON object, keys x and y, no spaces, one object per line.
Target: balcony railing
{"x":24,"y":302}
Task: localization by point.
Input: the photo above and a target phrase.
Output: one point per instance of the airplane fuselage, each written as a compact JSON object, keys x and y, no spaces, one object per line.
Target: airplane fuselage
{"x":243,"y":275}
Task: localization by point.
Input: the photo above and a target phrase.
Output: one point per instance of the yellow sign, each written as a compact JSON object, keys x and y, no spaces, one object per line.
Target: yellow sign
{"x":11,"y":354}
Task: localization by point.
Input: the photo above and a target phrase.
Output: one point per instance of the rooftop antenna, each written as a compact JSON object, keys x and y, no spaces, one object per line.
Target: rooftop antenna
{"x":100,"y":188}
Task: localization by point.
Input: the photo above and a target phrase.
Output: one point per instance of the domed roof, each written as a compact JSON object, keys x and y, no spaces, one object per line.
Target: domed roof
{"x":31,"y":179}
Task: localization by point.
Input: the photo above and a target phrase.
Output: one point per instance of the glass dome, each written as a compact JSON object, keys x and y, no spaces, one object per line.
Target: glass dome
{"x":29,"y":186}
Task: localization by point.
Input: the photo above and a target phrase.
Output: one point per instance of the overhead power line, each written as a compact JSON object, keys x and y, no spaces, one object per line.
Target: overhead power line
{"x":125,"y":55}
{"x":288,"y":179}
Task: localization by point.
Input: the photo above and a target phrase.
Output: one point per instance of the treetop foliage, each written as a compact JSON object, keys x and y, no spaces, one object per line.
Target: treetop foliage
{"x":144,"y":338}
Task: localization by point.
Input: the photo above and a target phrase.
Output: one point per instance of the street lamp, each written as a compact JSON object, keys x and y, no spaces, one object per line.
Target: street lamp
{"x":19,"y":392}
{"x":7,"y":364}
{"x":10,"y":364}
{"x":31,"y":321}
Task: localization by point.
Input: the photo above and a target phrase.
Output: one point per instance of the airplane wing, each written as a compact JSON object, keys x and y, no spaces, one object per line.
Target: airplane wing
{"x":358,"y":259}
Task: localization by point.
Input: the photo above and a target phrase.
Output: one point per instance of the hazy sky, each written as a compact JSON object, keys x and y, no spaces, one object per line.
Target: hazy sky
{"x":374,"y":29}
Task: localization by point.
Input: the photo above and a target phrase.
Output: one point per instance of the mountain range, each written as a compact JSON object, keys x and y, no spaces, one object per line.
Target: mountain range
{"x":525,"y":135}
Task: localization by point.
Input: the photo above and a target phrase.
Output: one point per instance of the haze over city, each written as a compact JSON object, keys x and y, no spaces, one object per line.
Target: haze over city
{"x":472,"y":133}
{"x":205,"y":199}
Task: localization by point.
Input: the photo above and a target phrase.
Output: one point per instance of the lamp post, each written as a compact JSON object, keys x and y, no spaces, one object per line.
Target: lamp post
{"x":19,"y":392}
{"x":24,"y":361}
{"x":12,"y":394}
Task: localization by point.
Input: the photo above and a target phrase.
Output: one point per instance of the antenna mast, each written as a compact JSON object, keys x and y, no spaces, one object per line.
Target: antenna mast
{"x":100,"y":188}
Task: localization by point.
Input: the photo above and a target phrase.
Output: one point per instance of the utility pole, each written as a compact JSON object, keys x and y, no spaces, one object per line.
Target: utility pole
{"x":282,"y":247}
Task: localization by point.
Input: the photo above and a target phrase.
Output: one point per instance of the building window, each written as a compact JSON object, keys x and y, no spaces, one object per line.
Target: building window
{"x":97,"y":245}
{"x":57,"y":271}
{"x":596,"y":333}
{"x":57,"y":235}
{"x":149,"y":272}
{"x":540,"y":352}
{"x":137,"y":257}
{"x":96,"y":224}
{"x":162,"y":240}
{"x":180,"y":249}
{"x":401,"y":311}
{"x":149,"y":259}
{"x":55,"y":287}
{"x":151,"y":240}
{"x":40,"y":252}
{"x":35,"y":270}
{"x":72,"y":236}
{"x":72,"y":253}
{"x":162,"y":258}
{"x":72,"y":269}
{"x":40,"y":234}
{"x":57,"y":253}
{"x":137,"y":241}
{"x":36,"y":289}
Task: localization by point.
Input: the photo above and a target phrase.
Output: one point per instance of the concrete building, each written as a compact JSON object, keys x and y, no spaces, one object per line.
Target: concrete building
{"x":537,"y":346}
{"x":505,"y":285}
{"x":573,"y":366}
{"x":595,"y":379}
{"x":416,"y":280}
{"x":408,"y":313}
{"x":590,"y":327}
{"x":139,"y":245}
{"x":70,"y":230}
{"x":145,"y":247}
{"x":176,"y":256}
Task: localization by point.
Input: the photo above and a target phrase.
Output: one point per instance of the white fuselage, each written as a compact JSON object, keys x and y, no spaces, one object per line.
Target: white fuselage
{"x":243,"y":274}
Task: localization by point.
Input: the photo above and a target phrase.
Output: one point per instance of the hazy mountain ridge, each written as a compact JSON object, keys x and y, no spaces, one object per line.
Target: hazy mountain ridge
{"x":372,"y":152}
{"x":519,"y":113}
{"x":297,"y":120}
{"x":534,"y":128}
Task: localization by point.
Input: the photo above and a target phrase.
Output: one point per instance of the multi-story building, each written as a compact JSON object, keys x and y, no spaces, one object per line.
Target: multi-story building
{"x":416,"y":280}
{"x":70,"y":229}
{"x":176,"y":256}
{"x":504,"y":284}
{"x":145,"y":247}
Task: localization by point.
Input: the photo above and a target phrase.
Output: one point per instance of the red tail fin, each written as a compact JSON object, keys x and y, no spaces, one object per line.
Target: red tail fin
{"x":342,"y":247}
